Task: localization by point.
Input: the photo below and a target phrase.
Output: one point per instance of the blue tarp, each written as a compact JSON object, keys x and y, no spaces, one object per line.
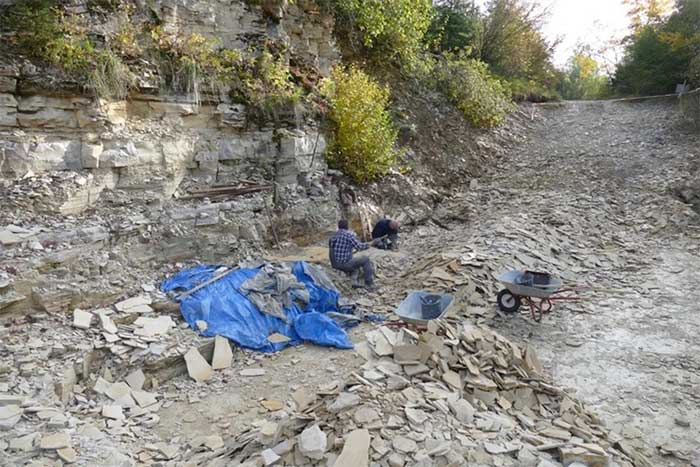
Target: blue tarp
{"x":230,"y":313}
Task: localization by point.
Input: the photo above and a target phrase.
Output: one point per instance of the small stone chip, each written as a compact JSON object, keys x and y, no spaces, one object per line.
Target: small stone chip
{"x":67,"y":455}
{"x":684,"y":422}
{"x":252,"y":372}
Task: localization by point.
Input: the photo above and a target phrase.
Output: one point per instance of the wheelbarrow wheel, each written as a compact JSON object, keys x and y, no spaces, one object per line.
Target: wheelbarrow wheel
{"x":508,"y":302}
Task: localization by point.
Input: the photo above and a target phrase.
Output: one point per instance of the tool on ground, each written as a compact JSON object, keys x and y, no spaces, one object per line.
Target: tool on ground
{"x":204,"y":284}
{"x":272,"y":225}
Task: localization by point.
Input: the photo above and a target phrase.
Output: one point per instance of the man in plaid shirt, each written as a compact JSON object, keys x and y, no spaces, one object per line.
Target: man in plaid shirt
{"x":341,"y":246}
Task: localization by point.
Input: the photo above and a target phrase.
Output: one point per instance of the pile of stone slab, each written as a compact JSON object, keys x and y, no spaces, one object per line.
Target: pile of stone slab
{"x":457,"y":394}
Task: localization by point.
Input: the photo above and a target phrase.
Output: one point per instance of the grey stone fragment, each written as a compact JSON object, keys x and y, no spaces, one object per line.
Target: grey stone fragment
{"x":25,"y":443}
{"x":269,"y":457}
{"x":344,"y":401}
{"x":223,"y":355}
{"x":463,"y":410}
{"x":313,"y":442}
{"x":9,"y":416}
{"x":55,"y":441}
{"x":197,"y":367}
{"x":404,"y":445}
{"x":355,"y":451}
{"x":136,"y":379}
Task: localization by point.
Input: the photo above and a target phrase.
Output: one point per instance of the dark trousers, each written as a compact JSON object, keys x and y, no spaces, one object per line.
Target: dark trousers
{"x":356,"y":263}
{"x":390,"y":243}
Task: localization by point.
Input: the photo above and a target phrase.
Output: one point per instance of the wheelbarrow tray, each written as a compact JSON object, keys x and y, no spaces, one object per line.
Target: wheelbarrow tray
{"x":411,"y":310}
{"x":510,"y":281}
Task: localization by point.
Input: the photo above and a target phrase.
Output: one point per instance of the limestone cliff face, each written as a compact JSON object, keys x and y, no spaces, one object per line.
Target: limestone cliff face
{"x":49,"y":124}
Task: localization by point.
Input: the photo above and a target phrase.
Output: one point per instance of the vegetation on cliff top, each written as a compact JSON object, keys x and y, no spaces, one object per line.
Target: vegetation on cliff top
{"x":189,"y":63}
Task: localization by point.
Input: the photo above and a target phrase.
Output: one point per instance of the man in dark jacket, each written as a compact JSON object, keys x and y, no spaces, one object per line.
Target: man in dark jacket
{"x":388,"y":231}
{"x":341,"y":246}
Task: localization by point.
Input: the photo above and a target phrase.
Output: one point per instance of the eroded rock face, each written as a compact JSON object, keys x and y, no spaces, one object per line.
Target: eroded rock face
{"x":80,"y":174}
{"x":48,"y":128}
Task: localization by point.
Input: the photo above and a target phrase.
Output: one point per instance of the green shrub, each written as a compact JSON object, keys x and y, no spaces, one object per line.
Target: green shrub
{"x":363,"y":135}
{"x":481,"y":97}
{"x":110,"y":77}
{"x":394,"y":29}
{"x":189,"y":63}
{"x":192,"y":63}
{"x":45,"y":33}
{"x":186,"y":63}
{"x":266,"y":82}
{"x":34,"y":23}
{"x":524,"y":90}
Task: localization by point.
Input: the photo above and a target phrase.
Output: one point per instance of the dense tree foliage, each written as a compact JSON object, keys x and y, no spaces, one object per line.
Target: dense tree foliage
{"x":506,"y":35}
{"x":583,"y":78}
{"x":663,"y":49}
{"x":389,"y":29}
{"x":457,"y":26}
{"x":481,"y":97}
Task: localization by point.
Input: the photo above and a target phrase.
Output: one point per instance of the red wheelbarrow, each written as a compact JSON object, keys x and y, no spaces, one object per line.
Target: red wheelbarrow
{"x":539,"y":290}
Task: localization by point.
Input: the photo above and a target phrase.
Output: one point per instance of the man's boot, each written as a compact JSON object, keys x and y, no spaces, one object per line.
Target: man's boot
{"x":356,"y":282}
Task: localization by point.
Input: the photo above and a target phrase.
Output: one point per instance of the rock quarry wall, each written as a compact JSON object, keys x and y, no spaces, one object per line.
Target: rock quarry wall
{"x":99,"y":195}
{"x":158,"y":139}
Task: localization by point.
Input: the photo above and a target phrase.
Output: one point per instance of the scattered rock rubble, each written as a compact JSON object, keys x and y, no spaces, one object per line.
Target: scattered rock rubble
{"x":457,"y":394}
{"x":92,"y":383}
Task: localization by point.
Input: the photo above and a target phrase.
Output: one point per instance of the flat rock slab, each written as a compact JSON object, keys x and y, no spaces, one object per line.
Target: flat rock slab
{"x":136,"y":379}
{"x":151,"y":327}
{"x":278,"y":338}
{"x":269,"y":457}
{"x":416,"y":416}
{"x":24,"y":443}
{"x":107,"y":324}
{"x":118,"y":391}
{"x":214,"y":442}
{"x":113,"y":411}
{"x":252,"y":372}
{"x":144,"y":399}
{"x":138,"y":304}
{"x":55,"y":441}
{"x":344,"y":401}
{"x":366,"y":415}
{"x":197,"y":367}
{"x":82,"y":319}
{"x":67,"y":455}
{"x":407,"y":354}
{"x":303,"y":398}
{"x":9,"y":416}
{"x":223,"y":355}
{"x":453,"y":379}
{"x":463,"y":411}
{"x":9,"y":399}
{"x":404,"y":445}
{"x":269,"y":429}
{"x":356,"y":450}
{"x":272,"y":405}
{"x":101,"y":386}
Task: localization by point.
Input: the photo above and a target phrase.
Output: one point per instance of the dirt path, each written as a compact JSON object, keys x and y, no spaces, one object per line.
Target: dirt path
{"x":594,"y":178}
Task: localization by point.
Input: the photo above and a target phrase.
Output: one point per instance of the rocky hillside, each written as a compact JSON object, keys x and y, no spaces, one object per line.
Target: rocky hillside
{"x":168,"y":164}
